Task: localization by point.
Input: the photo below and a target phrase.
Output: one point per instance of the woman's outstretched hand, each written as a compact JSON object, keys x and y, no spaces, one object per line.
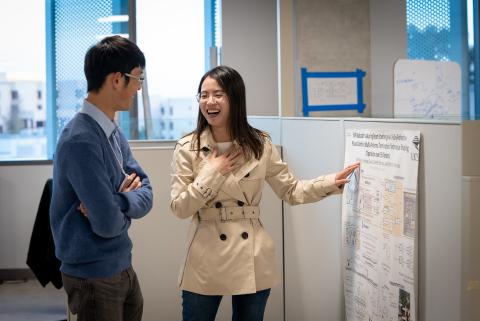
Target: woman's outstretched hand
{"x":227,"y":162}
{"x":342,"y":177}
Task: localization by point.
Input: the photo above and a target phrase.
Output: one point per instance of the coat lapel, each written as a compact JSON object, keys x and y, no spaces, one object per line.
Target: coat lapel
{"x":231,"y":186}
{"x":246,"y":168}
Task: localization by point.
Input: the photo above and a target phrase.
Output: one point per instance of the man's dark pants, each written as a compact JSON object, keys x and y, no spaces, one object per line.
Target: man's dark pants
{"x":116,"y":298}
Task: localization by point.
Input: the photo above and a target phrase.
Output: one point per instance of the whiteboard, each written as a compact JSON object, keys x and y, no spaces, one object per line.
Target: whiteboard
{"x":427,"y":89}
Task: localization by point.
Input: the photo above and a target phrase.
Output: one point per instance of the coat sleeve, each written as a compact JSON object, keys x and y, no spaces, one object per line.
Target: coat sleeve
{"x":190,"y":192}
{"x":292,"y":190}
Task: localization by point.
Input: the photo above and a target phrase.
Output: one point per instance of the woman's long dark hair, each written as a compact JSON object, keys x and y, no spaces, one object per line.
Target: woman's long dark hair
{"x":250,"y":139}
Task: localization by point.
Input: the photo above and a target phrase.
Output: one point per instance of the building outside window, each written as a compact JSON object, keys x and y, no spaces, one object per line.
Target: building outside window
{"x":22,"y":81}
{"x":176,"y":37}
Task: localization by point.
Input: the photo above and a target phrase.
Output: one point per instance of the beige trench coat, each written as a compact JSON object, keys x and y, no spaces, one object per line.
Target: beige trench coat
{"x":228,"y":252}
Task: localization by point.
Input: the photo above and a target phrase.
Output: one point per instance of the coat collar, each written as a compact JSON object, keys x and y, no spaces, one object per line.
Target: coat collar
{"x":207,"y":143}
{"x":230,"y":185}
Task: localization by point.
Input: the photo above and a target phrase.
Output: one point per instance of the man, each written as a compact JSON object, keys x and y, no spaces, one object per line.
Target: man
{"x":98,"y":188}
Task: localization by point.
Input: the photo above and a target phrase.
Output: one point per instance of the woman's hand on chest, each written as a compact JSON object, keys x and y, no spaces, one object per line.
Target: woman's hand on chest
{"x":227,"y":162}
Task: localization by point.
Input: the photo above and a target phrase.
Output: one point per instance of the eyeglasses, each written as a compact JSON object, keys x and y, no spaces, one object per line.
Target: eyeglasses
{"x":203,"y":97}
{"x":140,"y":79}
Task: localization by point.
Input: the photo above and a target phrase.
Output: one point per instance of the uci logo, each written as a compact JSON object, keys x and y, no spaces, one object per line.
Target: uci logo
{"x":416,"y":143}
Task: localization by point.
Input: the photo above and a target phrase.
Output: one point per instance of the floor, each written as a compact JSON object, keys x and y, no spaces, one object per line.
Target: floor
{"x":27,"y":300}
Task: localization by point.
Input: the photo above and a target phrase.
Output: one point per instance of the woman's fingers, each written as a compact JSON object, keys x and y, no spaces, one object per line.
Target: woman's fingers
{"x":349,"y":169}
{"x":354,"y":165}
{"x":236,"y":155}
{"x":232,"y":152}
{"x":214,"y":153}
{"x":342,"y":176}
{"x":228,"y":161}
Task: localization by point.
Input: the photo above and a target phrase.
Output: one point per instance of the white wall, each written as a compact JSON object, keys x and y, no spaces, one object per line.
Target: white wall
{"x":250,"y":46}
{"x":470,"y":286}
{"x":313,"y":279}
{"x":470,"y":221}
{"x":20,"y":189}
{"x":388,"y":43}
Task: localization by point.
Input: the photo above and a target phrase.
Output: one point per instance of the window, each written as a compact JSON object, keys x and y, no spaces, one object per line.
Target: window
{"x":440,"y":30}
{"x":172,"y":35}
{"x":66,"y":83}
{"x":22,"y":81}
{"x":34,"y":76}
{"x":473,"y":11}
{"x":175,"y":60}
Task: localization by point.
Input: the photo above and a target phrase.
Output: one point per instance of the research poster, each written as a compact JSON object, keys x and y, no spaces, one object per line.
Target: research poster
{"x":379,"y":222}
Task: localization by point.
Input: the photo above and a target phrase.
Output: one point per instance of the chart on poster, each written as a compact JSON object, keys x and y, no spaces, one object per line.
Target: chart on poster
{"x":379,"y":222}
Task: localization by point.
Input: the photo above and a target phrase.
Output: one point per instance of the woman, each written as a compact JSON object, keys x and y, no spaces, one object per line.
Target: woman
{"x":219,"y":172}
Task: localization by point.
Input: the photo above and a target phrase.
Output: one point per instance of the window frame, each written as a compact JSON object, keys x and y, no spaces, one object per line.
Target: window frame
{"x":476,"y":59}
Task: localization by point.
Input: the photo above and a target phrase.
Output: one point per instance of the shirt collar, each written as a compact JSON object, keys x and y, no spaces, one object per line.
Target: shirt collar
{"x":107,"y":125}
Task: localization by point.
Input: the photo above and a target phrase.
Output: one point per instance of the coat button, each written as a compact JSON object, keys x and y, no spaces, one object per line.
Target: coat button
{"x":218,"y":204}
{"x":223,"y":237}
{"x":245,"y":235}
{"x":240,"y":203}
{"x":205,"y":149}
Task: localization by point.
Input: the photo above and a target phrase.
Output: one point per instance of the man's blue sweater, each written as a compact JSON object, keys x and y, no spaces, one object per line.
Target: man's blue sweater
{"x":86,"y":171}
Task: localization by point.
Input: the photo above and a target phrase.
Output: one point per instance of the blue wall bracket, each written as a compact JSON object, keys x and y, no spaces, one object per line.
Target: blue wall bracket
{"x":359,"y":105}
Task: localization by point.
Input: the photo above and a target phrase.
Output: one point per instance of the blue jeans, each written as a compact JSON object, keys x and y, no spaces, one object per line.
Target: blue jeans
{"x":245,"y":307}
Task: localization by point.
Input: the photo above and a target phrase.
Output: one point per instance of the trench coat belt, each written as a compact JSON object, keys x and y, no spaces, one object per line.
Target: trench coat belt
{"x":229,"y":213}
